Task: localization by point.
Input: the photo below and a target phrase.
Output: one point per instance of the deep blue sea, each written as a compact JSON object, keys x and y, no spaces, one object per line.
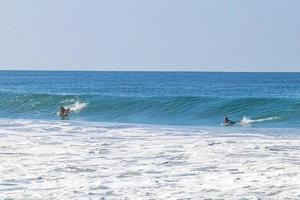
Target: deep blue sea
{"x":175,"y":98}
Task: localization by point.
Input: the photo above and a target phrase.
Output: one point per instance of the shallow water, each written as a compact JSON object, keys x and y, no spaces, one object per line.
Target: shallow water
{"x":80,"y":160}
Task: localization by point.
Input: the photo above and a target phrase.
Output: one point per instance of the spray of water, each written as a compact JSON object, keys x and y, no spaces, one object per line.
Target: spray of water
{"x":246,"y":120}
{"x":77,"y":106}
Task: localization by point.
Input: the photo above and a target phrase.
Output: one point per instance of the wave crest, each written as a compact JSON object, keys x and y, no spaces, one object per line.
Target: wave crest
{"x":181,"y":110}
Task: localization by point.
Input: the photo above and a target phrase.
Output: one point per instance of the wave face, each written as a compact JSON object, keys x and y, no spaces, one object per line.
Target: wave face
{"x":256,"y":99}
{"x":154,"y":110}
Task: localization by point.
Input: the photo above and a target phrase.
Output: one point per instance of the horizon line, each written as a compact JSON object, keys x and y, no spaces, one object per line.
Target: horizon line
{"x":206,"y":71}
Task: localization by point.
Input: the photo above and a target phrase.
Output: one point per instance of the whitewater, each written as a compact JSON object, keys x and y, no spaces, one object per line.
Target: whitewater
{"x":81,"y":160}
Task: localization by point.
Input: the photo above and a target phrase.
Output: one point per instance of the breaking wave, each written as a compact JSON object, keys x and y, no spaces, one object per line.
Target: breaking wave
{"x":181,"y":110}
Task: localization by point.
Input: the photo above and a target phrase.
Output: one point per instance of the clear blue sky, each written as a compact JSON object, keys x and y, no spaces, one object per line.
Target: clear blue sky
{"x":197,"y":35}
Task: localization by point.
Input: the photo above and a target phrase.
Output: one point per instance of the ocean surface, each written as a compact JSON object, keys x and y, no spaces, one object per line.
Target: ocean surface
{"x":149,"y":135}
{"x":173,"y":98}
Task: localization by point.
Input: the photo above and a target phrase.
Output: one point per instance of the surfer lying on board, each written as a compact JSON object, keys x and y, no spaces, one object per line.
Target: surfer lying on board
{"x":63,"y":111}
{"x":227,"y":121}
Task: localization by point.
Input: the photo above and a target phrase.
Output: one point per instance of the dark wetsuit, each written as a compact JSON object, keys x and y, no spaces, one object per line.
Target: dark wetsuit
{"x":228,"y":122}
{"x":63,"y":111}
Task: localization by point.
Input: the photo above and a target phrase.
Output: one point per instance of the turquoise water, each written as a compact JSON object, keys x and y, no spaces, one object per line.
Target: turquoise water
{"x":177,"y":98}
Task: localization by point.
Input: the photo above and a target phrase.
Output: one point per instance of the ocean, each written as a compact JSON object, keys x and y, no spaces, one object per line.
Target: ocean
{"x":170,"y":98}
{"x":149,"y":135}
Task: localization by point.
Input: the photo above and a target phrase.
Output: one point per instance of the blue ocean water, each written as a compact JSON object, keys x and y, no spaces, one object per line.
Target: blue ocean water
{"x":177,"y":98}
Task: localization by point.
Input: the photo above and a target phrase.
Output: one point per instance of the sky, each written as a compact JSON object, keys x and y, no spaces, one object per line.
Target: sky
{"x":151,"y":35}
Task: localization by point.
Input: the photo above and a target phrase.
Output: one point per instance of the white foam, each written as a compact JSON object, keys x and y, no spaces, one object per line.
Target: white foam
{"x":77,"y":106}
{"x":67,"y":160}
{"x":246,"y":120}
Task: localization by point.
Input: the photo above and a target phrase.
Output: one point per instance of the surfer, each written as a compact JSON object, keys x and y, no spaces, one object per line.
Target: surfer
{"x":228,"y":122}
{"x":63,"y":111}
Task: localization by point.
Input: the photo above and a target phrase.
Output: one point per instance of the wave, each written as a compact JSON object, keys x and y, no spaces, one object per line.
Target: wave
{"x":181,"y":110}
{"x":246,"y":120}
{"x":77,"y":106}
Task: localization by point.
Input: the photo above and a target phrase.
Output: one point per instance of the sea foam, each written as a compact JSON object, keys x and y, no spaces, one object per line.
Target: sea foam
{"x":77,"y":160}
{"x":247,"y":120}
{"x":77,"y":106}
